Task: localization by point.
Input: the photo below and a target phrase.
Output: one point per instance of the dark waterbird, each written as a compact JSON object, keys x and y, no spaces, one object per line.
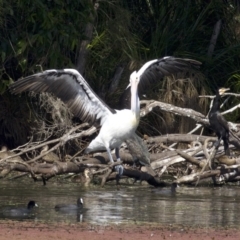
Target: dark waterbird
{"x":218,"y":123}
{"x":70,"y":207}
{"x":21,"y":212}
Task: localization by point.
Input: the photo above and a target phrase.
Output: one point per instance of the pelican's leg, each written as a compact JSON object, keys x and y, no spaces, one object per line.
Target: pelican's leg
{"x":118,"y":168}
{"x":109,"y":154}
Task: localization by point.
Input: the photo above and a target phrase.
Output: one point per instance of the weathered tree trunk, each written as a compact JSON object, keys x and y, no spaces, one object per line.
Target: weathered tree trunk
{"x":83,"y":52}
{"x":214,"y":38}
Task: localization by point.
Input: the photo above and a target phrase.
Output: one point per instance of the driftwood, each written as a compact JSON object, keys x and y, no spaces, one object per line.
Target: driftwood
{"x":196,"y":161}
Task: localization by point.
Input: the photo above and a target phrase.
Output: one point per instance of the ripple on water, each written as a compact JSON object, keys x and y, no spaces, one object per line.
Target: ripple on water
{"x":189,"y":206}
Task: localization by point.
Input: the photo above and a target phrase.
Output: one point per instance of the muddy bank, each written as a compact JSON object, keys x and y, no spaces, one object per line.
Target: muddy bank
{"x":40,"y":231}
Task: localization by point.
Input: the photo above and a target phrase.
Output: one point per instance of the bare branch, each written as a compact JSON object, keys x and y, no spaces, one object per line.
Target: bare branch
{"x":186,"y":112}
{"x":83,"y":52}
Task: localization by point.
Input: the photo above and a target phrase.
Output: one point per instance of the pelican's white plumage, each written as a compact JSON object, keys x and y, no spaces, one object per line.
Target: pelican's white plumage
{"x":117,"y":126}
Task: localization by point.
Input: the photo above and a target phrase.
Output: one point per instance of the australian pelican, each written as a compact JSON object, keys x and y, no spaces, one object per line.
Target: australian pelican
{"x":116,"y":125}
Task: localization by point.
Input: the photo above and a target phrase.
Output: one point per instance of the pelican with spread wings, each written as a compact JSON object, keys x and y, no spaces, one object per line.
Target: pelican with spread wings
{"x":116,"y":125}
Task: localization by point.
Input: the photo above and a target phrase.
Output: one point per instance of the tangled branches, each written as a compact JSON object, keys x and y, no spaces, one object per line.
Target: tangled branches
{"x":197,"y":159}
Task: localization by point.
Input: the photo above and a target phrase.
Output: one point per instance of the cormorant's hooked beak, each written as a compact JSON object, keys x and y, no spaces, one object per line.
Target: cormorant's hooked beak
{"x":223,"y":90}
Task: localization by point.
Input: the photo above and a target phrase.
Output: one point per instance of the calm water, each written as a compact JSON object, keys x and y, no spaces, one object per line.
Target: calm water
{"x":190,"y":206}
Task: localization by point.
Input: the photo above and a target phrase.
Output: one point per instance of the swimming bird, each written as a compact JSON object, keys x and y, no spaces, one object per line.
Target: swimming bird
{"x":218,"y":123}
{"x":70,"y":207}
{"x":116,"y":125}
{"x":20,"y":212}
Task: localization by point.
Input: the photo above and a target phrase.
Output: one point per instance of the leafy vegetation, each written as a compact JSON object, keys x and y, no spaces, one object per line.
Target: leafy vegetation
{"x":45,"y":34}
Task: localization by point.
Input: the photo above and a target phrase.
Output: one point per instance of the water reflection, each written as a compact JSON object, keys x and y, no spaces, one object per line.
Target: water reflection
{"x":189,"y":206}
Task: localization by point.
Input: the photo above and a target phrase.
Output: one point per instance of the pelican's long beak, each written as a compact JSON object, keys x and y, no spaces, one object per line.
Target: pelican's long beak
{"x":134,"y":96}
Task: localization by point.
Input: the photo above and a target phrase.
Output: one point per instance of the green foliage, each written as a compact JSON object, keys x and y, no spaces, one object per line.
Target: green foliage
{"x":44,"y":34}
{"x":49,"y":34}
{"x":113,"y":44}
{"x":184,"y":28}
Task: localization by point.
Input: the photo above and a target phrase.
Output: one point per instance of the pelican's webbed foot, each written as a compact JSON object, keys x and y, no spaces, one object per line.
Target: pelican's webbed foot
{"x":119,"y":168}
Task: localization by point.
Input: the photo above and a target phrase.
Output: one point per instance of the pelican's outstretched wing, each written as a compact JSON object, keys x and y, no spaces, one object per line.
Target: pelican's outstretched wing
{"x":154,"y":70}
{"x":71,"y":88}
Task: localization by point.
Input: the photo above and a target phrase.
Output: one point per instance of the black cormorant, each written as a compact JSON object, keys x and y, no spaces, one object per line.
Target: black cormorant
{"x":218,"y":123}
